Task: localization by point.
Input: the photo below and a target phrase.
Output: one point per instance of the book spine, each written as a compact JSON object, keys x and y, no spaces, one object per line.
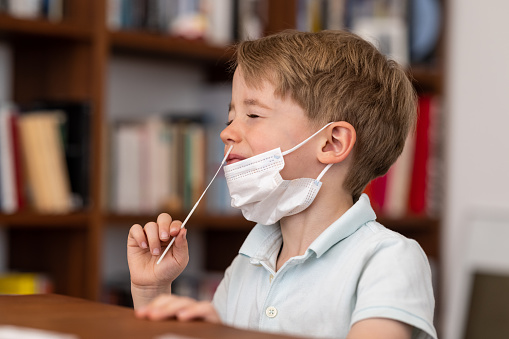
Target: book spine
{"x":128,"y":168}
{"x":398,"y":182}
{"x":18,"y":165}
{"x":25,"y":283}
{"x":418,"y":189}
{"x":56,"y":163}
{"x":7,"y":163}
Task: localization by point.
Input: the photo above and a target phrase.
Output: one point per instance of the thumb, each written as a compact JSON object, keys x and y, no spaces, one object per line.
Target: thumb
{"x":180,"y":248}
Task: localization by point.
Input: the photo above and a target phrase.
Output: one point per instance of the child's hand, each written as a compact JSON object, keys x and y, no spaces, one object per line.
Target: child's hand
{"x":183,"y":309}
{"x":144,"y":247}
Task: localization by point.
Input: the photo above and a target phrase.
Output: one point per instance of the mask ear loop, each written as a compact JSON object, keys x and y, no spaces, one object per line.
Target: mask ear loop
{"x":302,"y":143}
{"x":196,"y":204}
{"x":323,"y":172}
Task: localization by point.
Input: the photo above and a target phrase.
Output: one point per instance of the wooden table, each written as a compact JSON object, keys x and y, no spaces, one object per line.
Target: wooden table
{"x":88,"y":319}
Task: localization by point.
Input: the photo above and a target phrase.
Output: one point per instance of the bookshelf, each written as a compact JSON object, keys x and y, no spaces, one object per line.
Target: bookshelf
{"x":67,"y":60}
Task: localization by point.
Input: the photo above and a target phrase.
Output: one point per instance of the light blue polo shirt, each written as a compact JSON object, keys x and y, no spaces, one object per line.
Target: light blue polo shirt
{"x":356,"y":269}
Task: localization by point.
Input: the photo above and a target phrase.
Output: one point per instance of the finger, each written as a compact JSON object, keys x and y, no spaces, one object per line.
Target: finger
{"x":164,"y":220}
{"x":175,"y":227}
{"x":137,"y":237}
{"x":180,"y":249}
{"x":160,"y":300}
{"x":168,"y":307}
{"x":152,"y":233}
{"x":200,"y":310}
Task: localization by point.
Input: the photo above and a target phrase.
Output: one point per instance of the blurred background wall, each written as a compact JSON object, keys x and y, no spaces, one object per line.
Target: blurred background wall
{"x":477,"y":92}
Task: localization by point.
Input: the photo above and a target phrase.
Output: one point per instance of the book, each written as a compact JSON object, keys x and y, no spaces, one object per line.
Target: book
{"x":126,"y":175}
{"x":174,"y":174}
{"x":18,"y":165}
{"x":435,"y":166}
{"x":335,"y":14}
{"x":220,"y":24}
{"x":418,"y":189}
{"x":25,"y":283}
{"x":58,"y":174}
{"x":9,"y":200}
{"x":53,"y":9}
{"x":26,"y":9}
{"x":377,"y":189}
{"x":310,"y":15}
{"x":398,"y":182}
{"x":157,"y":150}
{"x":75,"y":129}
{"x":43,"y":155}
{"x":252,"y":18}
{"x":197,"y":163}
{"x":27,"y":130}
{"x":385,"y":24}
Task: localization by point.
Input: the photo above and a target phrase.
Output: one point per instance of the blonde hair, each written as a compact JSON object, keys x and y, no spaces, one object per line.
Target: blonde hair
{"x":338,"y":76}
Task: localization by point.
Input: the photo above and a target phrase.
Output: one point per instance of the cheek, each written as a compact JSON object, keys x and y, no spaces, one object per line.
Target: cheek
{"x":262,"y":142}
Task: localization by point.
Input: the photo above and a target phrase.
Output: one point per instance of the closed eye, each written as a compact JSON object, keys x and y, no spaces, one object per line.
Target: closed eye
{"x":253,"y":116}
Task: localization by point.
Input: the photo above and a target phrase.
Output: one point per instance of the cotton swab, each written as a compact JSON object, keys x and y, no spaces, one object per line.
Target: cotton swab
{"x":195,"y":205}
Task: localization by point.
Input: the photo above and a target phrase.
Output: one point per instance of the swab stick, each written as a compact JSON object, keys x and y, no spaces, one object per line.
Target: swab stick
{"x":195,"y":205}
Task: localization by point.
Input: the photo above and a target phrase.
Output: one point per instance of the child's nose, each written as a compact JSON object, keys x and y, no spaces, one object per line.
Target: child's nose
{"x":229,"y":135}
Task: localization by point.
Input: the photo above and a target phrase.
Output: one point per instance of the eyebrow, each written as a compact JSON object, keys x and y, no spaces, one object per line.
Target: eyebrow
{"x":249,"y":102}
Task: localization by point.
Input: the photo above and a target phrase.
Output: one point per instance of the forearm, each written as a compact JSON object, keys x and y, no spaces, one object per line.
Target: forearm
{"x":144,"y":295}
{"x":380,"y":328}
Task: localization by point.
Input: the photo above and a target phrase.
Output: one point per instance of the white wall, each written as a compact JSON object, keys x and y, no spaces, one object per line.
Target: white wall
{"x":477,"y":183}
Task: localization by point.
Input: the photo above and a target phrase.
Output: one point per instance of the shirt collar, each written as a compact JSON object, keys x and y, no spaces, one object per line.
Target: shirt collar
{"x":263,"y":240}
{"x":359,"y":214}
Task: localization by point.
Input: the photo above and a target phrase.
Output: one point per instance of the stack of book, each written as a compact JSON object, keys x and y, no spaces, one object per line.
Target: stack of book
{"x":219,"y":22}
{"x":158,"y":163}
{"x":413,"y":185}
{"x":44,"y":157}
{"x":25,"y":283}
{"x":406,"y":31}
{"x":30,"y":9}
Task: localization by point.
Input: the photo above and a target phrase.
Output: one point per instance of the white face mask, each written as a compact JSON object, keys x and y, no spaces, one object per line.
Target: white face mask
{"x":257,"y":188}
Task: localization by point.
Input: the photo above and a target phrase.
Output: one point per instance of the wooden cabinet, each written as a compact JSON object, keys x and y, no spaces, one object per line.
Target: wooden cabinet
{"x":68,"y":60}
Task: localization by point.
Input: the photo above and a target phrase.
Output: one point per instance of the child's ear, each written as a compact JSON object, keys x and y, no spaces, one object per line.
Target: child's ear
{"x":340,"y":140}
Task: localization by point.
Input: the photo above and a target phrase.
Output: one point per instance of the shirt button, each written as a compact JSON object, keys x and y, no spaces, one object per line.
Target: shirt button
{"x":270,"y":278}
{"x":271,"y":311}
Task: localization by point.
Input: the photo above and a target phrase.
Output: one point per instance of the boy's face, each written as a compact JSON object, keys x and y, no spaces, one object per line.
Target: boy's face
{"x":259,"y":121}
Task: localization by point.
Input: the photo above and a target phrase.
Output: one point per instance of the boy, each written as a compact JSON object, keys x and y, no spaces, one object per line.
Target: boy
{"x":318,"y":266}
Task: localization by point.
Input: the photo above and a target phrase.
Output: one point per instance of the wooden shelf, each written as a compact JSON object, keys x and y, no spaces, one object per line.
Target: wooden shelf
{"x":33,"y":219}
{"x":426,"y":79}
{"x":158,"y":44}
{"x":409,"y":223}
{"x":14,"y":27}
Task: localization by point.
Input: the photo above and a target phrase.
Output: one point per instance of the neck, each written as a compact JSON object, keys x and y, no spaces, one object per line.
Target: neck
{"x":301,"y":229}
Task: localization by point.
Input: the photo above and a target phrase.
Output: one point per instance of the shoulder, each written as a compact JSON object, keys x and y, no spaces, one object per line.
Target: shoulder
{"x":395,"y":281}
{"x":376,"y":238}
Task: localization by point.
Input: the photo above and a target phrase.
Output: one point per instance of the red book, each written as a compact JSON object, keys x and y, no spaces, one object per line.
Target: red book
{"x":377,"y":189}
{"x":20,"y":190}
{"x":418,"y":194}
